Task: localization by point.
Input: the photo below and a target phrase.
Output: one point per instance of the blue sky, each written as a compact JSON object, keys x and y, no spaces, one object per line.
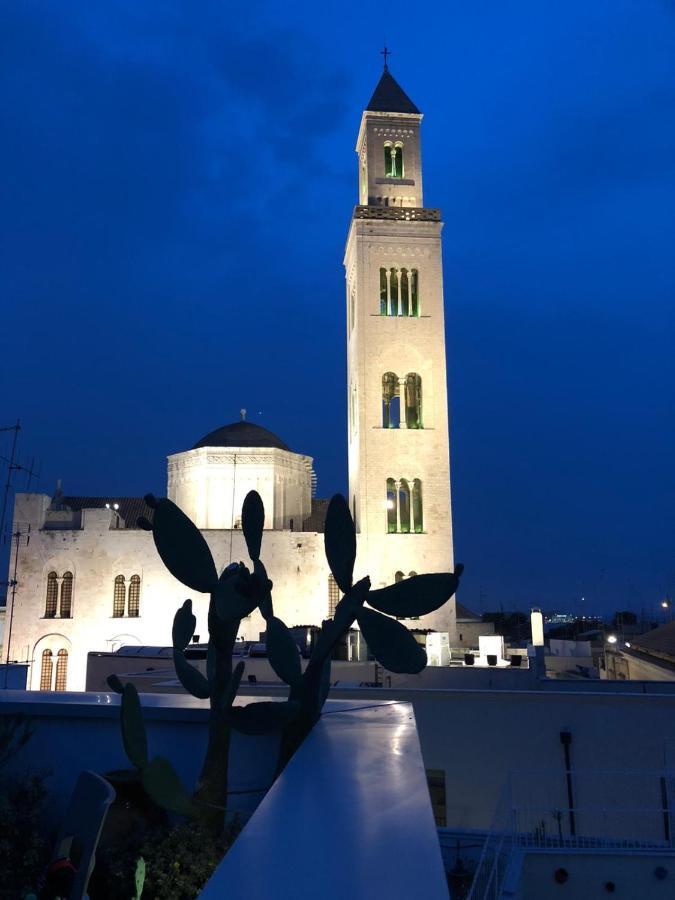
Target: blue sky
{"x":177,"y":184}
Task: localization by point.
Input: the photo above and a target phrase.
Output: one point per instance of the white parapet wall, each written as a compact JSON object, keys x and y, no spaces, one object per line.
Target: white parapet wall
{"x":349,"y":817}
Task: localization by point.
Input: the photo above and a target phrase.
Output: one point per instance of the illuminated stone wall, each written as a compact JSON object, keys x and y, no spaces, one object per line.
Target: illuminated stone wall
{"x":401,"y":344}
{"x":210,"y":484}
{"x":98,"y":551}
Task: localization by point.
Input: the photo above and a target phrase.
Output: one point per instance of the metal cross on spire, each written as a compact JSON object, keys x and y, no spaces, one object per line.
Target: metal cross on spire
{"x":385,"y":52}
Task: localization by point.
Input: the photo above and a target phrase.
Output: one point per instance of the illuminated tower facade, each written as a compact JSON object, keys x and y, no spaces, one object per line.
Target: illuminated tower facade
{"x":399,"y":467}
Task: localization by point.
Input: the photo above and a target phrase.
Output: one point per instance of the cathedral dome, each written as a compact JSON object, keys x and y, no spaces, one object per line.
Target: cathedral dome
{"x":241,"y":434}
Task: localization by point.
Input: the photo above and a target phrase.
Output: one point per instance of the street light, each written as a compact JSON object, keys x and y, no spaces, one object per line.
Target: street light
{"x":610,"y":639}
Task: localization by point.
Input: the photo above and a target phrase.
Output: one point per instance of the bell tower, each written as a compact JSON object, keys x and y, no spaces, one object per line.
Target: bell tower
{"x":399,"y":468}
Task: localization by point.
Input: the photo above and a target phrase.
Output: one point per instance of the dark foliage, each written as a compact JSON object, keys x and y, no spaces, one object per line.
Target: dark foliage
{"x":178,"y":861}
{"x":25,"y":845}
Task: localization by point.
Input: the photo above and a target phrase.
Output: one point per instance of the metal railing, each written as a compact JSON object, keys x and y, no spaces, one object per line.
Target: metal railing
{"x":599,"y":811}
{"x":494,"y":859}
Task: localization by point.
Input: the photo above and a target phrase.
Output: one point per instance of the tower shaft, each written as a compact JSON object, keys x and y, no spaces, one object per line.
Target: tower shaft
{"x":399,"y":469}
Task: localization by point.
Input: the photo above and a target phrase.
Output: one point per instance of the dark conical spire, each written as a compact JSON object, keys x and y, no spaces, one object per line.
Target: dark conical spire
{"x":389,"y":96}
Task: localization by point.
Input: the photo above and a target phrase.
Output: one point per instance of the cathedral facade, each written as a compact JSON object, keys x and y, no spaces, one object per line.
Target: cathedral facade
{"x":91,"y":580}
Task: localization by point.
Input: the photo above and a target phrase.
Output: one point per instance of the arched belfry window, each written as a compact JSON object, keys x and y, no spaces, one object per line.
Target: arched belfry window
{"x":394,"y":292}
{"x":52,"y":595}
{"x":417,"y":511}
{"x":119,"y":597}
{"x":393,"y":159}
{"x":404,"y":280}
{"x":391,"y":407}
{"x":135,"y":596}
{"x":46,"y":671}
{"x":404,"y":507}
{"x":66,"y":605}
{"x":399,"y":292}
{"x":412,"y":292}
{"x":384,"y":293}
{"x":391,"y":506}
{"x":413,"y":400}
{"x":61,"y":670}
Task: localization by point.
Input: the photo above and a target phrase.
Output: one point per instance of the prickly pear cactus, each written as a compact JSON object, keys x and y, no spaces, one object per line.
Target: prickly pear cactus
{"x":234,"y":594}
{"x":390,"y":641}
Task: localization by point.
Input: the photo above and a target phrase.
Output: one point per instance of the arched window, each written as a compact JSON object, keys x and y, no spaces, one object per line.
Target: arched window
{"x":391,"y":505}
{"x":119,"y":597}
{"x":66,"y":606}
{"x":404,"y":508}
{"x":413,"y":400}
{"x":46,"y":671}
{"x":135,"y":595}
{"x":52,"y":595}
{"x":61,"y":670}
{"x":391,"y":404}
{"x":333,"y":596}
{"x":412,"y":574}
{"x":404,"y":505}
{"x":405,"y":293}
{"x":383,"y":292}
{"x":417,"y":511}
{"x":393,"y":160}
{"x":413,"y":298}
{"x":397,"y":158}
{"x":398,"y":577}
{"x":399,"y":292}
{"x":393,"y":292}
{"x":389,"y":164}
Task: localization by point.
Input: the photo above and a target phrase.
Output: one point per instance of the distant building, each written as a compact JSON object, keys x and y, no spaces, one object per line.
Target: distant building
{"x":470,"y":627}
{"x":648,"y":657}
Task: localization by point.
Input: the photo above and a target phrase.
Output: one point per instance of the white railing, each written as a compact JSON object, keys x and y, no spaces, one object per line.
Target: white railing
{"x":579,"y":810}
{"x":494,"y":859}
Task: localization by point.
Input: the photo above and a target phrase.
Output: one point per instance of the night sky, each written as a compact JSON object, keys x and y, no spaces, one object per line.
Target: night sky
{"x":176,"y":186}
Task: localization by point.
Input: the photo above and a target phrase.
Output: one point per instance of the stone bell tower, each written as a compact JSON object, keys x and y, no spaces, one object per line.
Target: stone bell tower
{"x":399,"y":468}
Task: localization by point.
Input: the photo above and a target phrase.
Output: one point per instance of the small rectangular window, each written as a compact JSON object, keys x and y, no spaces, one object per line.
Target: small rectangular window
{"x":436,"y":782}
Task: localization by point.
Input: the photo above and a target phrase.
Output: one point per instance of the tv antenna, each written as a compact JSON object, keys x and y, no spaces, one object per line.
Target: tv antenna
{"x":17,"y":537}
{"x":13,"y":465}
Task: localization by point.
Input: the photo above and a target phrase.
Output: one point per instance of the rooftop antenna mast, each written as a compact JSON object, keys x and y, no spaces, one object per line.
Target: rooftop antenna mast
{"x":16,"y":429}
{"x":14,"y":466}
{"x":12,"y":583}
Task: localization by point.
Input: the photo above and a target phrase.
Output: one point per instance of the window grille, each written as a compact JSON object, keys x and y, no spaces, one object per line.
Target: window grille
{"x":333,"y":596}
{"x":61,"y":670}
{"x":52,"y":595}
{"x":135,"y":596}
{"x":66,"y":607}
{"x":46,"y":670}
{"x":119,"y":597}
